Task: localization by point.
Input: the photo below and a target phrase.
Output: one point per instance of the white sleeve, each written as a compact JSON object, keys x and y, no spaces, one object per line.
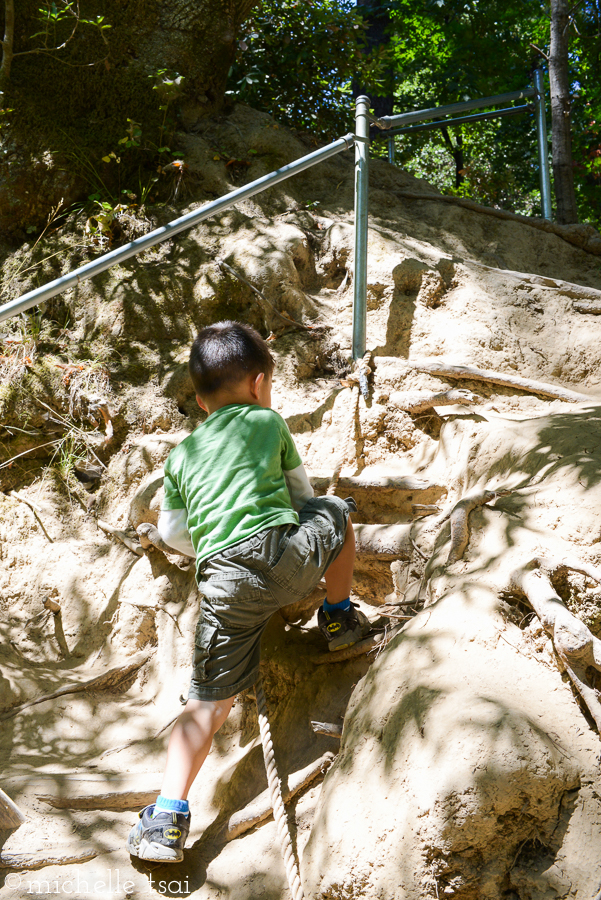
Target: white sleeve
{"x":299,"y":487}
{"x":173,"y":528}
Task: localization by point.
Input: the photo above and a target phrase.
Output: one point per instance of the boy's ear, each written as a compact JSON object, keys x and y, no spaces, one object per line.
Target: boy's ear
{"x":255,"y":385}
{"x":201,"y":404}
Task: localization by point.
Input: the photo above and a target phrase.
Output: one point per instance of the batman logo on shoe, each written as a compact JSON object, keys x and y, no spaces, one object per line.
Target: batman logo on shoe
{"x":334,"y":626}
{"x":172,"y":834}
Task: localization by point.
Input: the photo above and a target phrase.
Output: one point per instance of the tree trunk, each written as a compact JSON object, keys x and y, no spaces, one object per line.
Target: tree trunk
{"x":457,"y":153}
{"x":377,"y":18}
{"x":7,"y":43}
{"x":81,"y":117}
{"x":563,"y":173}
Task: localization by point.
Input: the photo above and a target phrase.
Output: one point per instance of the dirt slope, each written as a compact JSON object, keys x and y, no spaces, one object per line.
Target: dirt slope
{"x":467,"y":765}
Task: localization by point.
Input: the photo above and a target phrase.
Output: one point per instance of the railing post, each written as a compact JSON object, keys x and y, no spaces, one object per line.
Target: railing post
{"x":391,"y":150}
{"x":543,"y":152}
{"x":361,"y":199}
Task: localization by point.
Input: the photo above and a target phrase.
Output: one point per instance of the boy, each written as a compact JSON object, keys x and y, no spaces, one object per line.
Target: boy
{"x":238,"y":499}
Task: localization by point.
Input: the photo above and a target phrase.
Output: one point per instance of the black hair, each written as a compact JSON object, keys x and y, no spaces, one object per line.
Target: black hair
{"x":224,"y":353}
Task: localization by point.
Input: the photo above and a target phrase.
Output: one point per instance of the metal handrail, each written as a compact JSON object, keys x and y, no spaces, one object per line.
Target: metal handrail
{"x":32,"y":298}
{"x":435,"y":112}
{"x":461,"y":120}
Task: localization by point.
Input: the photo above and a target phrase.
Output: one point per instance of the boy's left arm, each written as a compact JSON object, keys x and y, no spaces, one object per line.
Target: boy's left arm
{"x":173,"y":528}
{"x":299,"y":486}
{"x":173,"y":518}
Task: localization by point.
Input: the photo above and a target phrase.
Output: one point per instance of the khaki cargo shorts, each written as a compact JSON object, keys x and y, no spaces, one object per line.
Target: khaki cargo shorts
{"x":245,"y":584}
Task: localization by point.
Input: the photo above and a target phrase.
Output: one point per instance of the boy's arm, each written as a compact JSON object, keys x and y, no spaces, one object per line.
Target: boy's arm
{"x":173,"y":528}
{"x":298,"y":485}
{"x":173,"y":518}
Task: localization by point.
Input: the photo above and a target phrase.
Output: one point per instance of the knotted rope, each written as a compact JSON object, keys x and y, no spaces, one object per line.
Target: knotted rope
{"x":359,"y":385}
{"x":277,"y":802}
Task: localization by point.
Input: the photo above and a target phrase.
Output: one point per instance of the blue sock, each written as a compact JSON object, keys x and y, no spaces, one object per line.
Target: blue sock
{"x":164,"y":804}
{"x":337,"y":607}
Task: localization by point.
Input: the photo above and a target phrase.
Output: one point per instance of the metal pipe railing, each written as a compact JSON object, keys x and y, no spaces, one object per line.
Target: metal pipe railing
{"x":435,"y":112}
{"x":462,"y":120}
{"x":21,"y":304}
{"x":543,"y":153}
{"x":361,"y":200}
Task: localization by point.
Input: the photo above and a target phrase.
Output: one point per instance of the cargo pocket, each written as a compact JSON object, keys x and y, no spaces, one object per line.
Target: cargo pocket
{"x":294,"y":556}
{"x":204,"y":639}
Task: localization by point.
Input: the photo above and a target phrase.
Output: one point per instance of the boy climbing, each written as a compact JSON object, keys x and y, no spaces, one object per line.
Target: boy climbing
{"x":238,"y":499}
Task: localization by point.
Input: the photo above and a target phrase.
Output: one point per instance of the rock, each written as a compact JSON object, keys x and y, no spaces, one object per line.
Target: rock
{"x":450,"y":782}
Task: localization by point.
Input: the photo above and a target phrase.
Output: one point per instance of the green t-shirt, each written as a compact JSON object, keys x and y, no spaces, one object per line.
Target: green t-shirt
{"x":229,"y":475}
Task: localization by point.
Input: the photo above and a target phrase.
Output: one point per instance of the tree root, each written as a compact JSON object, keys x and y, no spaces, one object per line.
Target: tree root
{"x":418,"y":401}
{"x":122,"y":536}
{"x":587,"y":306}
{"x":383,"y":541}
{"x":575,"y":645}
{"x":460,"y":533}
{"x":447,"y":370}
{"x":589,"y":241}
{"x":106,"y":681}
{"x":374,"y":642}
{"x":383,"y":484}
{"x":150,"y":537}
{"x":118,"y":800}
{"x":327,"y":728}
{"x":10,"y":814}
{"x":35,"y":861}
{"x":260,"y":810}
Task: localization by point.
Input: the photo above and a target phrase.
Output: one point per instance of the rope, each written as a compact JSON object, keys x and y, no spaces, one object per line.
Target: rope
{"x":359,"y":385}
{"x":346,"y":447}
{"x":277,"y":803}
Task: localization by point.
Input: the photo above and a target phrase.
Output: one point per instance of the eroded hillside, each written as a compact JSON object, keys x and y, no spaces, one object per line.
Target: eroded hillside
{"x":468,"y":764}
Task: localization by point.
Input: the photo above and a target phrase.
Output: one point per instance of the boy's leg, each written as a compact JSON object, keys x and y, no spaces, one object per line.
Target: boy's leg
{"x":340,"y":622}
{"x":162,"y":829}
{"x":339,"y":576}
{"x":190,"y":743}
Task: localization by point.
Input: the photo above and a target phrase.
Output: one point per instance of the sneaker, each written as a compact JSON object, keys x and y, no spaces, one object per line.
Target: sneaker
{"x":160,"y":839}
{"x":343,"y":629}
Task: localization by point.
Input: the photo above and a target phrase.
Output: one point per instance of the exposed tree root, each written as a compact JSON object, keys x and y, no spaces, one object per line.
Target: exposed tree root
{"x":375,"y":641}
{"x":10,"y":814}
{"x":460,"y":533}
{"x":419,"y":401}
{"x":575,"y":645}
{"x":110,"y":800}
{"x":260,"y":810}
{"x":383,"y":484}
{"x":327,"y":728}
{"x":383,"y":541}
{"x":150,"y":537}
{"x":37,"y":861}
{"x":106,"y":681}
{"x":587,"y":306}
{"x":447,"y":370}
{"x":122,"y":536}
{"x":587,"y":240}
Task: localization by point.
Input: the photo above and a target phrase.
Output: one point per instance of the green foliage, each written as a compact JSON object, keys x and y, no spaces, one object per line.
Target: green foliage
{"x":298,"y":60}
{"x":452,"y":50}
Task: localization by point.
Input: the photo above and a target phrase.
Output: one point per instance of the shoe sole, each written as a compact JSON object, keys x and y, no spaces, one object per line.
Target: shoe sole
{"x":332,"y":646}
{"x":154,"y":852}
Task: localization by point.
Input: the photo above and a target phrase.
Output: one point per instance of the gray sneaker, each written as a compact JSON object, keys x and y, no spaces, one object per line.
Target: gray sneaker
{"x":161,"y":838}
{"x":343,"y":629}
